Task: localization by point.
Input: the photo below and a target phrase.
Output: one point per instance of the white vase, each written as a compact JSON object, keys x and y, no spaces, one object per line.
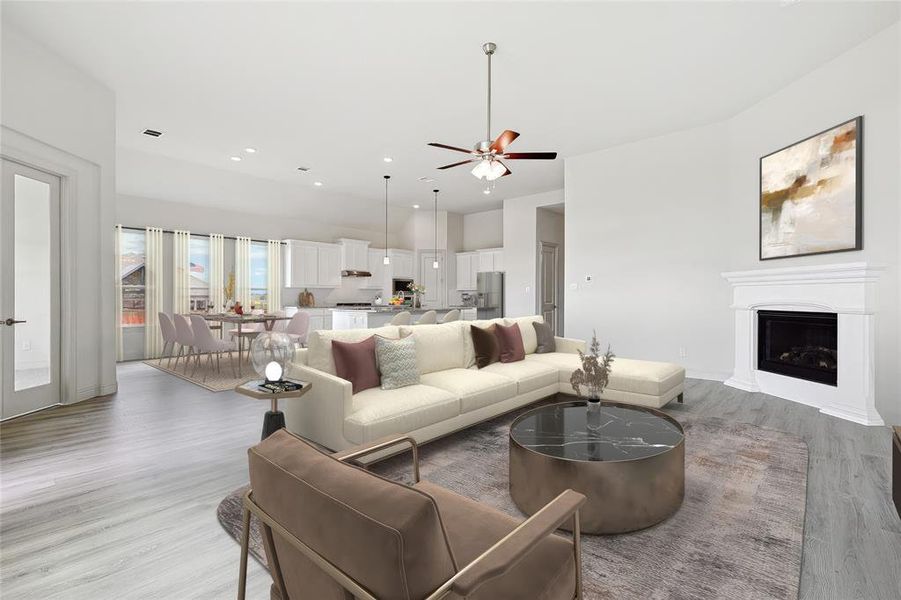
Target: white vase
{"x":593,"y":420}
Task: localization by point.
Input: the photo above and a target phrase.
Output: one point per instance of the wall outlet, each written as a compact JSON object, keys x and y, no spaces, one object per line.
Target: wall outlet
{"x":26,"y":346}
{"x":574,"y":286}
{"x":528,"y":289}
{"x":683,"y":353}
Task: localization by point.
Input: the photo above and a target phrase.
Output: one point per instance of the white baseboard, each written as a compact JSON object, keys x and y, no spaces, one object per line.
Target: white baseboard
{"x":708,"y":375}
{"x":861,"y":417}
{"x":742,"y":384}
{"x":93,"y":391}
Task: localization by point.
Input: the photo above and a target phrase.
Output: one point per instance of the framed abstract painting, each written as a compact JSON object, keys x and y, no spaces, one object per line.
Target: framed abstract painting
{"x":811,"y":194}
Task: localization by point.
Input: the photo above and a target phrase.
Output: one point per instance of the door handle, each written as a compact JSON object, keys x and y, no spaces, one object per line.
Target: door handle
{"x":12,"y":321}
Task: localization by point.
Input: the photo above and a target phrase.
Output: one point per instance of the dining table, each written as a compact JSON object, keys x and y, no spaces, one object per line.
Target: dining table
{"x":268,"y":321}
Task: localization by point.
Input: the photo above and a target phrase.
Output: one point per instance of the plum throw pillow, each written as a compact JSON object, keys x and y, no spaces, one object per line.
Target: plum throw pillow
{"x":546,"y":341}
{"x":484,"y":344}
{"x":397,"y":362}
{"x":355,"y":362}
{"x":509,"y":342}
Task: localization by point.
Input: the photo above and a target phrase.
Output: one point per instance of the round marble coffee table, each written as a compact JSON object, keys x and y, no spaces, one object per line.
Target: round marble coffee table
{"x":632,"y":469}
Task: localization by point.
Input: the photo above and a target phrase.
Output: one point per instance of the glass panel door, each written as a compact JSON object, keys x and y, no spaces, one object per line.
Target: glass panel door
{"x":29,"y":301}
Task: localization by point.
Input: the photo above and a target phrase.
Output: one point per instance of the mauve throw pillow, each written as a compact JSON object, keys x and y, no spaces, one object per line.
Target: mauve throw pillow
{"x":355,"y":362}
{"x":546,"y":341}
{"x":509,"y":341}
{"x":484,"y":343}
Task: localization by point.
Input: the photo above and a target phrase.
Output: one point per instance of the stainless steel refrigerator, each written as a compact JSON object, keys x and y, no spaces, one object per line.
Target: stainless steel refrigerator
{"x":490,"y":295}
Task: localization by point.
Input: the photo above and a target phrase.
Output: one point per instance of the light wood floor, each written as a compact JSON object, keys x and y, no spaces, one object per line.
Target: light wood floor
{"x":116,"y":497}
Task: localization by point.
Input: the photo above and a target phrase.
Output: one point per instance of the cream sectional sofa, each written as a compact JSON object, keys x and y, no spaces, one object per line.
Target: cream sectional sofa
{"x":452,"y":393}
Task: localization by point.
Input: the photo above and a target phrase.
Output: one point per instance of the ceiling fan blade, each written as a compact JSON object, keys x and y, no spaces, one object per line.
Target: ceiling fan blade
{"x":502,"y":141}
{"x":531,"y":155}
{"x":457,"y":164}
{"x":454,"y":148}
{"x":506,"y":170}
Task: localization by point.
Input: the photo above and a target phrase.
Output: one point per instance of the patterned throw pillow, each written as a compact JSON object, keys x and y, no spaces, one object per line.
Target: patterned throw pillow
{"x":546,"y":341}
{"x":397,"y":362}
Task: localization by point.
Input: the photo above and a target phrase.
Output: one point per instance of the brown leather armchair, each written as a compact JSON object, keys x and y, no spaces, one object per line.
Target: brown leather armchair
{"x":333,"y":530}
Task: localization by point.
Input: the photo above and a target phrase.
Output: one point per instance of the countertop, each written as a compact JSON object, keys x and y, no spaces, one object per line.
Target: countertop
{"x":394,"y":309}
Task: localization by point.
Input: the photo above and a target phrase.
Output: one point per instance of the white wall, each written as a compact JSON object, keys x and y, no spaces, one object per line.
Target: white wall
{"x":551,"y":227}
{"x":648,"y":223}
{"x":52,"y":102}
{"x":655,"y":222}
{"x":483,"y":230}
{"x":520,"y":250}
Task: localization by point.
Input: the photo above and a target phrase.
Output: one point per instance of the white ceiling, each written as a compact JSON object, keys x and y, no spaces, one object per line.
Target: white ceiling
{"x":337,"y":86}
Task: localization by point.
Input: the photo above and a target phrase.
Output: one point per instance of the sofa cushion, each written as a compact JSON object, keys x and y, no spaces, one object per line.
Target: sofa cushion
{"x":529,"y":338}
{"x":627,"y":375}
{"x":509,"y":342}
{"x":476,"y":389}
{"x":545,"y":336}
{"x":469,"y":351}
{"x":355,"y":362}
{"x":485,"y":345}
{"x":546,"y":573}
{"x":320,"y":344}
{"x":397,"y":362}
{"x":528,"y":375}
{"x":378,"y":412}
{"x":438,"y":347}
{"x":388,"y":537}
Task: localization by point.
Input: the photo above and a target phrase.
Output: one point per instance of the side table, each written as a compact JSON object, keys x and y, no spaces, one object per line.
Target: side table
{"x":274,"y":418}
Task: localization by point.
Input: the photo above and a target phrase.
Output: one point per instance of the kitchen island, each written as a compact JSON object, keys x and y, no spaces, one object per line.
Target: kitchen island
{"x":378,"y":316}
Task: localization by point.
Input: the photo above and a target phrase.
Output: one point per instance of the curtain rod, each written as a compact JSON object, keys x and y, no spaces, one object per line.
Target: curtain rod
{"x":225,"y":237}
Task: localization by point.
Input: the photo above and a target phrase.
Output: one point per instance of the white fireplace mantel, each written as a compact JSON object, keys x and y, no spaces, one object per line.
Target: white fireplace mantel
{"x":847,"y":289}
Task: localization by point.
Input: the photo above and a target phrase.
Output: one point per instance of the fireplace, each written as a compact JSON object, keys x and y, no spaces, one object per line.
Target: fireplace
{"x":798,"y":344}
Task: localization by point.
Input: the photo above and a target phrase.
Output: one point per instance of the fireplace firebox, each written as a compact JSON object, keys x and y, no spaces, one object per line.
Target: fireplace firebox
{"x":798,"y":344}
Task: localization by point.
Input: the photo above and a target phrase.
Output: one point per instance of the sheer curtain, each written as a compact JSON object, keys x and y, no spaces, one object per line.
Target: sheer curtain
{"x":153,"y":291}
{"x":119,"y":351}
{"x":242,"y":271}
{"x":181,"y":272}
{"x":274,"y":275}
{"x":217,"y":272}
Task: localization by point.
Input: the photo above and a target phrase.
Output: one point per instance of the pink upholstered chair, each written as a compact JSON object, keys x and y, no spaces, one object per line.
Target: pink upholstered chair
{"x":185,"y":338}
{"x":167,"y":329}
{"x":298,"y":327}
{"x":205,"y":343}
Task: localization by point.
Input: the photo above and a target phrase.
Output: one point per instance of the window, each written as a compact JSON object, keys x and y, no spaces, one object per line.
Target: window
{"x":131,"y":273}
{"x":199,"y":273}
{"x":259,"y":274}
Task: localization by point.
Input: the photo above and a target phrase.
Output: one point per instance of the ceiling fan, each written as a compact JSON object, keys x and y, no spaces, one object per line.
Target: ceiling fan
{"x":488,"y":154}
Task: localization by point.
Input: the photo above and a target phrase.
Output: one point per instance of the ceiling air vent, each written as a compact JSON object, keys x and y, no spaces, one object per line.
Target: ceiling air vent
{"x":303,"y":169}
{"x":153,"y":133}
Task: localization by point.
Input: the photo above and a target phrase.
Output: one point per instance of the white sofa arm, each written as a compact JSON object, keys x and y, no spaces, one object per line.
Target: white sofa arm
{"x":319,"y":414}
{"x":569,"y":345}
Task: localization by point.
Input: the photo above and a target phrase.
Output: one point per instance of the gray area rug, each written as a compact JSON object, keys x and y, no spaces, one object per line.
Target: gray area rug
{"x":738,"y":534}
{"x":205,"y":376}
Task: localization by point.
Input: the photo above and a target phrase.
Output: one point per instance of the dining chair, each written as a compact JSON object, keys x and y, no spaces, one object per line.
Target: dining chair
{"x":205,"y":343}
{"x":451,"y":316}
{"x":402,"y":318}
{"x":428,"y":318}
{"x":248,"y":332}
{"x":298,"y":328}
{"x":184,"y":335}
{"x":167,"y":329}
{"x":280,"y":326}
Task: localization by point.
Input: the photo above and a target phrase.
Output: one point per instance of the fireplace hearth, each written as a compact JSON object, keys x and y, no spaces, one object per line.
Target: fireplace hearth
{"x":798,"y":344}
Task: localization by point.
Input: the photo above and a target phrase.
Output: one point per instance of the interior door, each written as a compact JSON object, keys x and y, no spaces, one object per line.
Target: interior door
{"x":432,"y":278}
{"x":29,"y":290}
{"x":547,"y":283}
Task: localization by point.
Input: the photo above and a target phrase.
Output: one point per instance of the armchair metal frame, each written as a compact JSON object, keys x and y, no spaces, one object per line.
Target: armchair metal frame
{"x":492,"y":563}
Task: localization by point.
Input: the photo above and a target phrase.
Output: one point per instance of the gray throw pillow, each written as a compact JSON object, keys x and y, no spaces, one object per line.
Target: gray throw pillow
{"x":396,"y":360}
{"x":546,"y":342}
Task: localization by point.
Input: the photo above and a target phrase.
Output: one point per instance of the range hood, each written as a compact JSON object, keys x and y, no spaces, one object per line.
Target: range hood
{"x":355,"y":273}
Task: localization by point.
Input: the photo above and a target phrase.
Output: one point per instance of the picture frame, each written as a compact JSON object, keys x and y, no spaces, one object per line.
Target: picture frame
{"x":811,"y":194}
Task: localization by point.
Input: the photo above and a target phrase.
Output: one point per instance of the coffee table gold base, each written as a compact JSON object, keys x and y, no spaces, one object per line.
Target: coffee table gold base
{"x":623,"y":496}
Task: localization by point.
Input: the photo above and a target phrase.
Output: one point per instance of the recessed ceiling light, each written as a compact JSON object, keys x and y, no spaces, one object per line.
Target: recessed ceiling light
{"x":317,"y":183}
{"x":236,"y":158}
{"x":250,"y":150}
{"x":387,"y":159}
{"x":152,"y":132}
{"x":415,"y":206}
{"x":426,"y":179}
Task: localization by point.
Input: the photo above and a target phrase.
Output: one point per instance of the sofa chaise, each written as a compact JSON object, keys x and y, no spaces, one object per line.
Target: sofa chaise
{"x":452,"y":394}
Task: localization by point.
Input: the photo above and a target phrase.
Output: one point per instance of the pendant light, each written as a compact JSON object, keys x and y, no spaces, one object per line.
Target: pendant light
{"x":435,"y":262}
{"x":386,"y":260}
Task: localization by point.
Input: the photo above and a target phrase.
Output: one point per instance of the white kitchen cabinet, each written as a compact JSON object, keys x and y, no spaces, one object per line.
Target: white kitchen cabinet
{"x":491,"y":259}
{"x":312,"y":264}
{"x":402,"y":264}
{"x":467,"y":267}
{"x":354,"y":254}
{"x":468,"y":314}
{"x":376,"y":266}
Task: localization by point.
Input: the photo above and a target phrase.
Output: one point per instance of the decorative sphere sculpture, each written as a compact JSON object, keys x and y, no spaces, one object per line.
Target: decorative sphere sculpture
{"x":271,"y":352}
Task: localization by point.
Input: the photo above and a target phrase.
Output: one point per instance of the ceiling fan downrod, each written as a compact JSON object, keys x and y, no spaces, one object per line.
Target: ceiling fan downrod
{"x":489,"y":48}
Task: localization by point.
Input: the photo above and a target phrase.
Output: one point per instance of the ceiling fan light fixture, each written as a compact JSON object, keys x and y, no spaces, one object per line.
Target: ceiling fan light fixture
{"x":495,"y":170}
{"x":482,"y":169}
